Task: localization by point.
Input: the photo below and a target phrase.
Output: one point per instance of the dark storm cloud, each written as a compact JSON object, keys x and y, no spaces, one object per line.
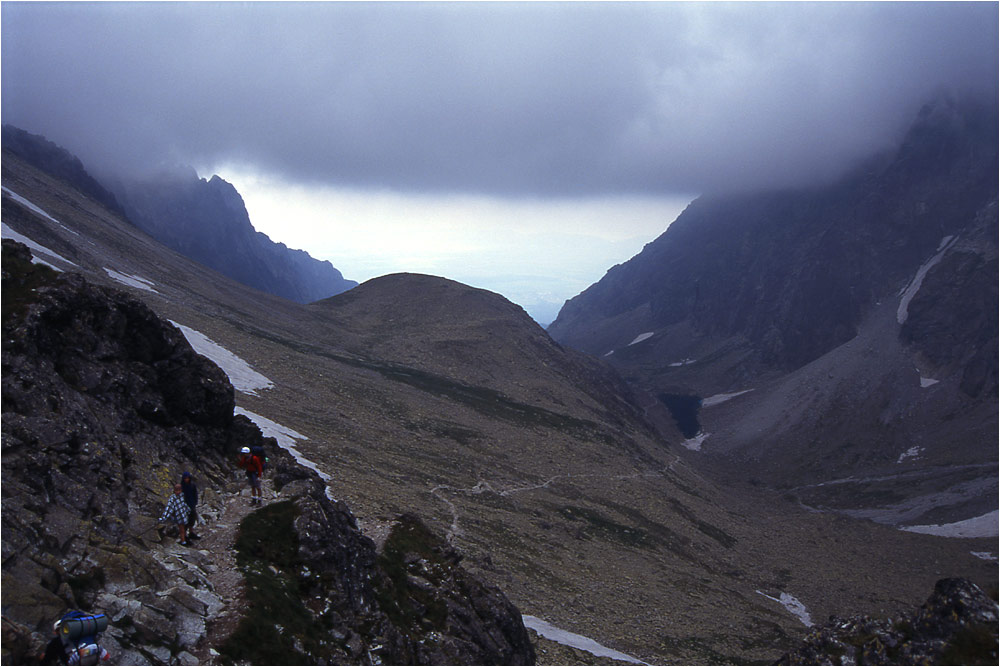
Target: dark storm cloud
{"x":510,"y":99}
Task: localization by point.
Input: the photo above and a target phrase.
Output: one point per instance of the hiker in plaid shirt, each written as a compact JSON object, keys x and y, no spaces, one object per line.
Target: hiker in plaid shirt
{"x":177,"y":512}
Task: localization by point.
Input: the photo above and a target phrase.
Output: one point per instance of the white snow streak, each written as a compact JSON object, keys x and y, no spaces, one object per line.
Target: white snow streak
{"x":27,"y":204}
{"x":641,"y":337}
{"x":566,"y":638}
{"x":694,"y":444}
{"x":243,"y":377}
{"x":9,"y":233}
{"x":914,"y":286}
{"x":911,"y":453}
{"x":927,"y":382}
{"x":132,"y":281}
{"x":980,"y":526}
{"x":792,"y":605}
{"x":721,"y":398}
{"x":985,"y":555}
{"x":682,"y":363}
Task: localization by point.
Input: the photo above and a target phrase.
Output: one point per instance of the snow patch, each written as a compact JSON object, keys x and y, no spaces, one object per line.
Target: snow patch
{"x":27,"y":204}
{"x":927,"y":382}
{"x":911,"y":453}
{"x":9,"y":233}
{"x":566,"y":638}
{"x":694,"y":444}
{"x":683,"y":363}
{"x":980,"y":526}
{"x":793,"y":605}
{"x":286,"y":438}
{"x":721,"y":398}
{"x":911,"y":290}
{"x":984,"y":555}
{"x":132,"y":281}
{"x":241,"y":374}
{"x":641,"y":337}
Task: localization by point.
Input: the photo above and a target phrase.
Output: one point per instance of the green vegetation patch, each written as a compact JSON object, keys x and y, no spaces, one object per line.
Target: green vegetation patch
{"x":278,"y":629}
{"x":20,"y":280}
{"x":717,"y":534}
{"x":488,"y":402}
{"x":446,"y":429}
{"x":415,"y":562}
{"x":601,"y":526}
{"x":973,"y":645}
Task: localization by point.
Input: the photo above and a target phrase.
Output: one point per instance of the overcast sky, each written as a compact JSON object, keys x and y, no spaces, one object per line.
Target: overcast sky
{"x":540,"y":141}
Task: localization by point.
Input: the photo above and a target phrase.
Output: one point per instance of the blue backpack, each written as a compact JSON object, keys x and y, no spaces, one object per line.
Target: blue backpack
{"x":78,"y":632}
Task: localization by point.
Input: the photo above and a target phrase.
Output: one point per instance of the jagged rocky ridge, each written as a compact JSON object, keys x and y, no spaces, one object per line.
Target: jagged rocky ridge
{"x":206,"y":220}
{"x":56,"y":160}
{"x":104,"y":404}
{"x":956,"y":626}
{"x":793,"y":273}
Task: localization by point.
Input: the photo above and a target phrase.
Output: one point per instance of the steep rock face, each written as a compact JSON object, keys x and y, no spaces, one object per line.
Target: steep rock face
{"x":952,"y":318}
{"x":793,"y":273}
{"x":49,"y":157}
{"x":104,"y":405}
{"x":956,"y":626}
{"x":852,"y":325}
{"x":206,"y":220}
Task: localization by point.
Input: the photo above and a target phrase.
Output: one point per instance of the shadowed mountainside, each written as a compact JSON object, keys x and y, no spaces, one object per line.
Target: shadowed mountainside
{"x":846,"y":331}
{"x":417,"y":394}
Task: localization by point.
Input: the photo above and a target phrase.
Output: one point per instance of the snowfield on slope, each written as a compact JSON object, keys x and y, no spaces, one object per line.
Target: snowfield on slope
{"x":980,"y":526}
{"x":243,"y":377}
{"x":790,"y":603}
{"x":911,"y":290}
{"x":132,"y":281}
{"x":35,"y":209}
{"x":36,"y":248}
{"x":571,"y":639}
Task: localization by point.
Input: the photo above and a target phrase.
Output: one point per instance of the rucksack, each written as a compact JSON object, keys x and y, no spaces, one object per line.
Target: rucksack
{"x":258,"y":451}
{"x":76,"y":625}
{"x":78,"y":632}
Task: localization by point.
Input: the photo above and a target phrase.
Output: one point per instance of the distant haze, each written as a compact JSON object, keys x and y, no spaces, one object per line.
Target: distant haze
{"x":512,"y":104}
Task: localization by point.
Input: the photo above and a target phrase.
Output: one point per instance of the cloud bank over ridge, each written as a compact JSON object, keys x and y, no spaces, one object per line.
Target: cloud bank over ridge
{"x":507,"y":100}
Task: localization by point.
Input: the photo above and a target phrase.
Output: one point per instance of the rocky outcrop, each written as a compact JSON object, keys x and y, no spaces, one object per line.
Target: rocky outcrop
{"x":104,"y":405}
{"x":956,"y":626}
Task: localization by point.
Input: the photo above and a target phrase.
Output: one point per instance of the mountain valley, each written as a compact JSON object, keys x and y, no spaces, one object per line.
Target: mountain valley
{"x":556,"y":480}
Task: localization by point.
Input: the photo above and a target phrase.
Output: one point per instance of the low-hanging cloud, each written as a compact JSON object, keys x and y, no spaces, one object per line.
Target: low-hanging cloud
{"x":532,"y":99}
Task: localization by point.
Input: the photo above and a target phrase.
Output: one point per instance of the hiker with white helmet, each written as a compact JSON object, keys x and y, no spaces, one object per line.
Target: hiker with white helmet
{"x":254,"y":468}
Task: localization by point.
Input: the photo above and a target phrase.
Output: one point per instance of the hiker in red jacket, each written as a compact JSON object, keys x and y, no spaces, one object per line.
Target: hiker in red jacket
{"x":254,"y":468}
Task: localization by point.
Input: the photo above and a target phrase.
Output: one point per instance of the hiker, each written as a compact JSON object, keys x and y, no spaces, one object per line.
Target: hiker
{"x":75,"y":641}
{"x":190,"y":490}
{"x":177,"y":511}
{"x":254,"y":469}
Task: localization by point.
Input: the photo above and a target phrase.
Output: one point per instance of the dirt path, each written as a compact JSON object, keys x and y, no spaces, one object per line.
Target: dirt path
{"x":218,"y":538}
